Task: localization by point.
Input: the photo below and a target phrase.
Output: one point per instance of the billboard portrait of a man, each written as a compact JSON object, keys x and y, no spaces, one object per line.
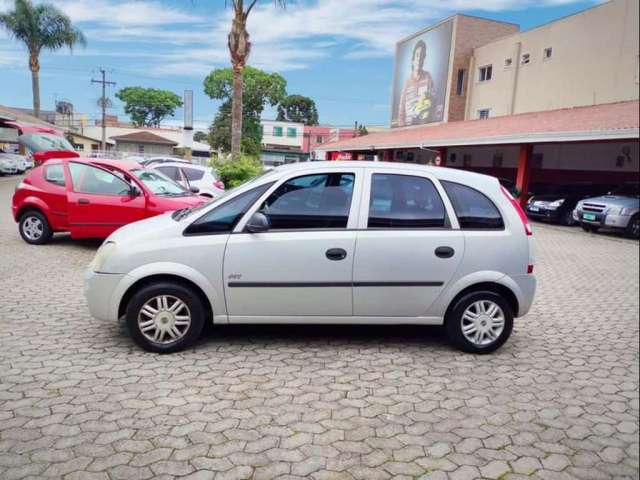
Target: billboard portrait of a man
{"x":422,"y":64}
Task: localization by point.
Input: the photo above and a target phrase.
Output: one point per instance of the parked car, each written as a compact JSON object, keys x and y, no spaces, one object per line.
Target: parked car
{"x":8,"y":164}
{"x":618,"y":209}
{"x":188,"y":175}
{"x":557,"y":206}
{"x":91,"y":198}
{"x":510,"y":185}
{"x":434,"y":246}
{"x":159,"y":160}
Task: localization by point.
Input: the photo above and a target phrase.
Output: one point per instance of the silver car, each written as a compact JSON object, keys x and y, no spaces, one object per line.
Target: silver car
{"x":618,"y":210}
{"x":325,"y":243}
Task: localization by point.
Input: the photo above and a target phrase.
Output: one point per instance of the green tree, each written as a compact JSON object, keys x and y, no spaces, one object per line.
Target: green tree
{"x":40,"y":27}
{"x":148,"y":106}
{"x":260,"y":89}
{"x":298,"y":108}
{"x":201,"y":137}
{"x":239,"y":49}
{"x":362,"y":131}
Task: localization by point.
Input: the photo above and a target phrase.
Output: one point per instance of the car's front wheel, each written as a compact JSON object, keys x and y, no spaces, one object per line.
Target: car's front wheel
{"x":589,"y":228}
{"x":479,"y":322}
{"x":34,"y":228}
{"x":165,"y":317}
{"x":633,"y":228}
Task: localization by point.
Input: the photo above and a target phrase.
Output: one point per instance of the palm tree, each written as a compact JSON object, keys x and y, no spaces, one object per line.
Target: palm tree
{"x":239,"y":48}
{"x":40,"y":27}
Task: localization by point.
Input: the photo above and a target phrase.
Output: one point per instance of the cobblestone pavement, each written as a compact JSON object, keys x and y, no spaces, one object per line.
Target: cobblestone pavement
{"x":560,"y":400}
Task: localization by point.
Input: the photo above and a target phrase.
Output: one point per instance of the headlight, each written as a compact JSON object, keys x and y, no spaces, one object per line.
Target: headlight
{"x":102,"y":255}
{"x":615,"y":211}
{"x":530,"y":200}
{"x":557,"y":203}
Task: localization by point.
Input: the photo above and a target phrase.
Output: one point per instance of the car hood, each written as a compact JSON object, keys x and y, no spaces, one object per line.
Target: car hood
{"x":151,"y":228}
{"x":550,"y":197}
{"x":614,"y":201}
{"x":176,"y":203}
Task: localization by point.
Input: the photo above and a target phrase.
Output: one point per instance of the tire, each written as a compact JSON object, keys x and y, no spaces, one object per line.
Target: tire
{"x":159,"y":325}
{"x":468,"y":303}
{"x":34,"y":228}
{"x":567,"y":219}
{"x":633,"y":228}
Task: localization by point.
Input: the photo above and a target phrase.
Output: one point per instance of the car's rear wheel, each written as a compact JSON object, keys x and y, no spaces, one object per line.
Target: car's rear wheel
{"x":567,"y":219}
{"x":479,"y":322}
{"x":165,"y":317}
{"x":633,"y":228}
{"x":34,"y":228}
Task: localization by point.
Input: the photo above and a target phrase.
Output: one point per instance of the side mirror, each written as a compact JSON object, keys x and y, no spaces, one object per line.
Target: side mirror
{"x":258,"y":223}
{"x":194,"y":189}
{"x":134,"y":191}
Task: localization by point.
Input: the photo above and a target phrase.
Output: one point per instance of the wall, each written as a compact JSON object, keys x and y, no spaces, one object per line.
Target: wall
{"x":148,"y":148}
{"x":469,"y":32}
{"x":268,"y":138}
{"x":595,"y":60}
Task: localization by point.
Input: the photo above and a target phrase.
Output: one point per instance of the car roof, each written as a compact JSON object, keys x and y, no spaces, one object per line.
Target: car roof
{"x":180,"y":164}
{"x":107,"y":162}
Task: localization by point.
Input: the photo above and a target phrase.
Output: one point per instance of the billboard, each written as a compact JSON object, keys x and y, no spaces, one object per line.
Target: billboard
{"x":420,"y":77}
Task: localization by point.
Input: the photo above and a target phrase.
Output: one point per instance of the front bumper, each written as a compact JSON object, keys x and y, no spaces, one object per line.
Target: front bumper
{"x":603,"y":219}
{"x":99,"y":290}
{"x":543,"y":213}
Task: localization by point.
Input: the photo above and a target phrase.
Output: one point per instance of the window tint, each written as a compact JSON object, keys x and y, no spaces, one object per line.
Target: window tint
{"x":172,"y":172}
{"x":473,"y":209}
{"x":54,"y":174}
{"x":311,"y":201}
{"x":224,"y":217}
{"x":88,"y":179}
{"x":193,"y":174}
{"x":404,"y":201}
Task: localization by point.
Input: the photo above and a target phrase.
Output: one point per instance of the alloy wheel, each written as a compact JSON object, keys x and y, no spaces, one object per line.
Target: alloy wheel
{"x":164,"y":319}
{"x":33,"y":228}
{"x":483,"y":322}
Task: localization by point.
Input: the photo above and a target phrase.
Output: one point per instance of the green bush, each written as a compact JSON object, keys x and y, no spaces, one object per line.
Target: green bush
{"x":235,"y":172}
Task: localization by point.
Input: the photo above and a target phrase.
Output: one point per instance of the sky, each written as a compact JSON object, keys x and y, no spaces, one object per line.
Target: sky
{"x":338,"y":52}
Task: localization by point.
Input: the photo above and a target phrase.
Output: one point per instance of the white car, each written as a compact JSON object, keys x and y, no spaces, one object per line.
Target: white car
{"x":325,"y":243}
{"x":9,"y":164}
{"x":189,"y":175}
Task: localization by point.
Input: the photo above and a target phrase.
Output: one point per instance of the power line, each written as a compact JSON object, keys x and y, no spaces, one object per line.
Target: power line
{"x":103,"y":105}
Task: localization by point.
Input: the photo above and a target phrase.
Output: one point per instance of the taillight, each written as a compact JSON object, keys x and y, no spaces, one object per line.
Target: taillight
{"x":521,"y":214}
{"x":218,"y":184}
{"x":530,"y":269}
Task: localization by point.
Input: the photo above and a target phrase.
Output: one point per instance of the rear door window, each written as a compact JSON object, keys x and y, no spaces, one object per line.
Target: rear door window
{"x":473,"y":208}
{"x":404,"y":201}
{"x":54,"y":174}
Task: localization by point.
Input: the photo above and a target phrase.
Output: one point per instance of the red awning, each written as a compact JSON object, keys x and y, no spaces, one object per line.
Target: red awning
{"x":613,"y":121}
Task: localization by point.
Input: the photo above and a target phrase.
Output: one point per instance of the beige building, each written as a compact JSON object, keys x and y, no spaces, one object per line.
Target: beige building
{"x":588,"y":58}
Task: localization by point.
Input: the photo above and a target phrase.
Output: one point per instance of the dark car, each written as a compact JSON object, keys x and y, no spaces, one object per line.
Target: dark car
{"x":558,"y":203}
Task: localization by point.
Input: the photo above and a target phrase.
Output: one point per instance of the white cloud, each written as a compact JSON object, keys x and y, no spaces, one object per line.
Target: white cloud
{"x":125,"y":14}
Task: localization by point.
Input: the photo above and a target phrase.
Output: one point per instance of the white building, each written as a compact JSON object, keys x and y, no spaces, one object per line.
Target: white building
{"x":282,"y":142}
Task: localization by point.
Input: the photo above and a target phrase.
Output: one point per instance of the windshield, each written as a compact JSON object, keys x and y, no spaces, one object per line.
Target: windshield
{"x":158,"y":183}
{"x":43,"y":142}
{"x":628,"y":190}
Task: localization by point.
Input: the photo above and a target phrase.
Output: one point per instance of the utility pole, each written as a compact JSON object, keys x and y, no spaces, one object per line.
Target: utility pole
{"x":103,"y":105}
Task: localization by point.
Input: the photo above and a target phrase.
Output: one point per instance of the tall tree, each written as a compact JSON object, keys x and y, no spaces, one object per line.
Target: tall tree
{"x":148,"y":106}
{"x":259,"y":90}
{"x":40,"y":27}
{"x":298,"y":108}
{"x":239,"y":49}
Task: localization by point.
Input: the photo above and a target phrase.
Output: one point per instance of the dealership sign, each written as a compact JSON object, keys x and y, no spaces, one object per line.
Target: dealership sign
{"x":420,"y":77}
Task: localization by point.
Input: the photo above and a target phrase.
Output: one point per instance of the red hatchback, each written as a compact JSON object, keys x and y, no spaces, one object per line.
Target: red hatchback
{"x":91,"y":198}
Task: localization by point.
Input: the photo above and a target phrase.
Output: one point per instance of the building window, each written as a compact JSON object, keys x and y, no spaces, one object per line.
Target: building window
{"x":526,"y":58}
{"x":548,"y":53}
{"x":460,"y":82}
{"x":319,"y":139}
{"x":485,"y":73}
{"x":483,"y":113}
{"x":508,"y":62}
{"x":277,"y":131}
{"x":140,"y":148}
{"x":292,"y":132}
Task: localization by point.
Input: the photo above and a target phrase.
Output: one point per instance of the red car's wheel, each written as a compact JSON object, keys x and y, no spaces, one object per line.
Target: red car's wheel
{"x":34,"y":228}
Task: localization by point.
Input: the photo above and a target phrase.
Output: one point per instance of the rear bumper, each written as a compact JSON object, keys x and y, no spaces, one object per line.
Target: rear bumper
{"x":524,"y":288}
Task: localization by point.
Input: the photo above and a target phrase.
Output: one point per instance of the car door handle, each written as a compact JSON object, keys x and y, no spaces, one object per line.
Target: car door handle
{"x":445,"y":252}
{"x":336,"y":254}
{"x":83,"y":201}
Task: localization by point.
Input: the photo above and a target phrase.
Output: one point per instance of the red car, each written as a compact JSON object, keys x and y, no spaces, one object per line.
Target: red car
{"x":91,"y":198}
